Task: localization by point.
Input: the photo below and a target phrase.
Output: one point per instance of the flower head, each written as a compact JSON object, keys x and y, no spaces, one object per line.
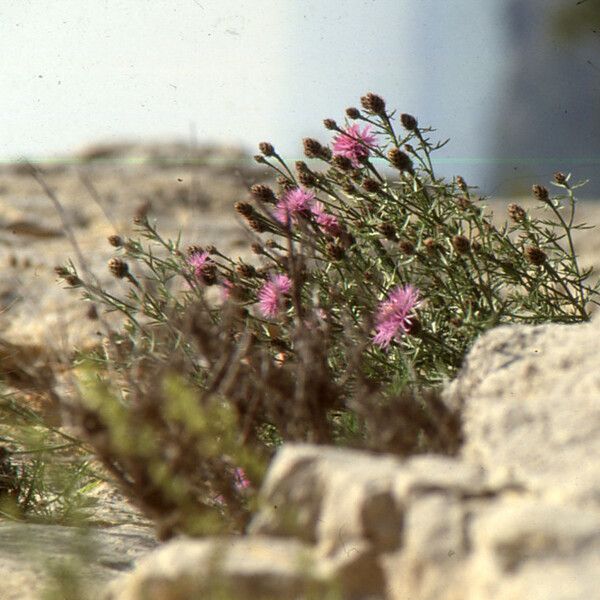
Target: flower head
{"x":198,"y":260}
{"x":354,"y":143}
{"x":270,"y":296}
{"x":326,"y":221}
{"x":394,"y":316}
{"x":294,"y":202}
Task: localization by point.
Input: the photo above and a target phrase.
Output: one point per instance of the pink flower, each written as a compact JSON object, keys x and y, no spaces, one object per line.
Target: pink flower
{"x":226,"y":287}
{"x":393,"y":316}
{"x":240,"y":480}
{"x":353,"y":143}
{"x":270,"y":296}
{"x":198,"y":261}
{"x":293,"y":203}
{"x":327,"y":222}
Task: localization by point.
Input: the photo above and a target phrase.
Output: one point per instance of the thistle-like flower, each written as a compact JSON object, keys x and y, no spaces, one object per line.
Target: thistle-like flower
{"x":394,"y":315}
{"x":198,"y":260}
{"x":354,"y":144}
{"x":327,"y":222}
{"x":271,"y":295}
{"x":293,"y":203}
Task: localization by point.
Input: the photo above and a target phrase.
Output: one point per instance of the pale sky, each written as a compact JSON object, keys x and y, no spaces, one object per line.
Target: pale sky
{"x":242,"y":71}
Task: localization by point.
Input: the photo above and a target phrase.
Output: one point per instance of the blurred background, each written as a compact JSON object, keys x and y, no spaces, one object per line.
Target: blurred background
{"x":514,"y":84}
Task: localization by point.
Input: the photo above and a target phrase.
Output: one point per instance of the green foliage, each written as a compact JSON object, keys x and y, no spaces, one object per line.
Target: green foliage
{"x":195,"y":385}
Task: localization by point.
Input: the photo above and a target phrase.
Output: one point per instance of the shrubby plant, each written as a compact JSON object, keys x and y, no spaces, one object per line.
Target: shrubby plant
{"x":373,"y":276}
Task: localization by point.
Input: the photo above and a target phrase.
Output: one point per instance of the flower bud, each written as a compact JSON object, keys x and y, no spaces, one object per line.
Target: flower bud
{"x":244,"y":208}
{"x":516,"y":212}
{"x":342,"y":163}
{"x":373,"y":103}
{"x":400,"y":160}
{"x":388,"y":231}
{"x":263,"y":193}
{"x":461,"y":183}
{"x":352,"y":113}
{"x":266,"y":148}
{"x":408,"y":121}
{"x":312,"y":148}
{"x":560,"y":178}
{"x":461,"y":244}
{"x":115,"y":241}
{"x":406,"y":247}
{"x":330,"y":124}
{"x":540,"y":192}
{"x":118,"y":267}
{"x":371,"y":185}
{"x":534,"y":255}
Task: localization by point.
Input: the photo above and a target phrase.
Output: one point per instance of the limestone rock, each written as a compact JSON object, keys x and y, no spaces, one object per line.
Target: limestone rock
{"x":531,"y":405}
{"x":250,"y":568}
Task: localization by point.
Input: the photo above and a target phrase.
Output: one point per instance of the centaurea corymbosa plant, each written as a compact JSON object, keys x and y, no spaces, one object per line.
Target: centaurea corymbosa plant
{"x":373,"y":276}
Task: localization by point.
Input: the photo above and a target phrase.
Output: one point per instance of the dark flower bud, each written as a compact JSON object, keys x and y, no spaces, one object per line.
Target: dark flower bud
{"x":342,"y":163}
{"x":256,"y":224}
{"x":400,"y":160}
{"x":330,"y":124}
{"x":430,"y":245}
{"x":408,"y":122}
{"x":312,"y":148}
{"x":266,"y":148}
{"x":257,"y":248}
{"x":263,"y":193}
{"x":285,"y":183}
{"x":92,"y":312}
{"x":115,"y":240}
{"x":373,"y":103}
{"x":352,"y":113}
{"x":335,"y":251}
{"x":272,"y":244}
{"x":61,"y":271}
{"x":461,"y":244}
{"x":72,"y":279}
{"x":560,"y":178}
{"x":540,"y":192}
{"x":245,"y":270}
{"x":409,"y":148}
{"x":371,"y":185}
{"x":326,"y":153}
{"x":208,"y":274}
{"x":194,"y":249}
{"x":211,"y":249}
{"x":388,"y":231}
{"x":259,"y":159}
{"x":534,"y":255}
{"x":461,"y":183}
{"x":414,"y":326}
{"x":406,"y":247}
{"x":516,"y":212}
{"x":118,"y":267}
{"x":244,"y":208}
{"x":307,"y":179}
{"x":463,"y":203}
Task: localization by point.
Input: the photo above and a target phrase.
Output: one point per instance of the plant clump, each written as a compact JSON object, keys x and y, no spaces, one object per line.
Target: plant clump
{"x":373,"y":277}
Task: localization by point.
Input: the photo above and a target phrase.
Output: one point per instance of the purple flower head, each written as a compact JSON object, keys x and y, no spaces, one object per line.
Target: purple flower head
{"x":292,"y":204}
{"x":326,"y":221}
{"x":270,"y":296}
{"x":198,"y":260}
{"x":394,"y":314}
{"x":240,"y":479}
{"x":353,"y":143}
